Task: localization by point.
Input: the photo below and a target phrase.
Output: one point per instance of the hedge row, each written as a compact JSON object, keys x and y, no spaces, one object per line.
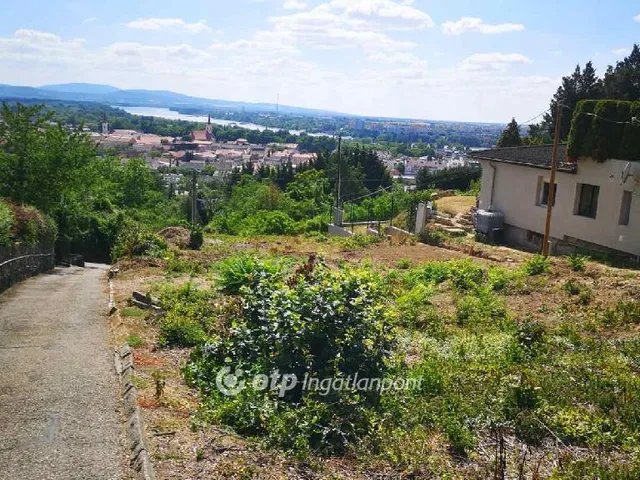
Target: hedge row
{"x":595,"y":134}
{"x":20,"y":225}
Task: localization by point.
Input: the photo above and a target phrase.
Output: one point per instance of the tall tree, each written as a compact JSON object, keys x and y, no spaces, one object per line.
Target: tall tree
{"x":580,"y":85}
{"x":622,"y":82}
{"x":510,"y":136}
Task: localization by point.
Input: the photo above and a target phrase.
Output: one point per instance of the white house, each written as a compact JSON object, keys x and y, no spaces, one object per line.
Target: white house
{"x":597,"y":205}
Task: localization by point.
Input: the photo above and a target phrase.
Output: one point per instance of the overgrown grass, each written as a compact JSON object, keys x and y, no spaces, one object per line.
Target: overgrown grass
{"x":483,"y":368}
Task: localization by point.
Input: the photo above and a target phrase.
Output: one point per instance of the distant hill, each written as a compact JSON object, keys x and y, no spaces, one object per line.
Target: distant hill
{"x":107,"y":94}
{"x":90,"y":88}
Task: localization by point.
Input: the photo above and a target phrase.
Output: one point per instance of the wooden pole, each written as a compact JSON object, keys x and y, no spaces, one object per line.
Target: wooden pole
{"x":552,"y":182}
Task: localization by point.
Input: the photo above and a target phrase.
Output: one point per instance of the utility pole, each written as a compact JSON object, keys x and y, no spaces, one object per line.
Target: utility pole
{"x":339,"y":169}
{"x":551,"y":198}
{"x":194,"y":195}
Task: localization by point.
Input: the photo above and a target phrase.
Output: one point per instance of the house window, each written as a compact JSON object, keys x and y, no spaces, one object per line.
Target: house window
{"x":587,"y":200}
{"x":544,"y":194}
{"x":625,"y":208}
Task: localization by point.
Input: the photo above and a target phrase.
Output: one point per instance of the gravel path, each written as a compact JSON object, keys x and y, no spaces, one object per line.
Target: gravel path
{"x":59,"y":412}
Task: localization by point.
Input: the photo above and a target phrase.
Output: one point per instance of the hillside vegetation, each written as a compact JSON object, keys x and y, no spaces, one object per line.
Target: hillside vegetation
{"x":528,"y":366}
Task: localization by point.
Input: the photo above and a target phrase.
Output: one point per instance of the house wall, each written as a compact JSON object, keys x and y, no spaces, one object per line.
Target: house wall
{"x":516,"y":194}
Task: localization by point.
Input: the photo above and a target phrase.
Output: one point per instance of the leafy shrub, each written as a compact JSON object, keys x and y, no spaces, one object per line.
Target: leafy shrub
{"x":536,"y":265}
{"x":6,"y":224}
{"x":28,"y":225}
{"x":180,"y":266}
{"x":196,"y":238}
{"x":415,"y":310}
{"x":358,"y":241}
{"x":403,"y":264}
{"x":432,"y":236}
{"x":241,"y":270}
{"x":189,"y":311}
{"x":136,"y":240}
{"x":482,"y":307}
{"x":320,"y":323}
{"x":181,"y":332}
{"x":577,"y":263}
{"x":624,"y":313}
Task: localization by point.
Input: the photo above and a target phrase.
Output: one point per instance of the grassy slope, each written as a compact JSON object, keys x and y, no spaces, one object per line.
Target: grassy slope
{"x":572,"y":318}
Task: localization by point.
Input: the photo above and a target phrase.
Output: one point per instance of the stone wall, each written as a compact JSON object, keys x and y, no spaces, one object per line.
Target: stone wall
{"x":20,"y":262}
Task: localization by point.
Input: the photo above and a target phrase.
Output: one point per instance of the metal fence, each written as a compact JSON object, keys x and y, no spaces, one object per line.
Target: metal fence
{"x":20,"y":262}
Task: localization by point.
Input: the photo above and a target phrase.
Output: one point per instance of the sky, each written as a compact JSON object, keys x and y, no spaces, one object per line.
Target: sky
{"x":462,"y":60}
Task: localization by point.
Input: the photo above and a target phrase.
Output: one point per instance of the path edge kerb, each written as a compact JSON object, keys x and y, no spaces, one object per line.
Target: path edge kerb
{"x":140,"y":461}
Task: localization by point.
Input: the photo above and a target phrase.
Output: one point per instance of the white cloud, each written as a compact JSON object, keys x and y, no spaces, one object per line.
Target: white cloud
{"x":257,"y":68}
{"x":492,"y":61}
{"x":397,"y":58}
{"x":637,"y":18}
{"x":159,"y":23}
{"x":621,"y":52}
{"x":351,"y":24}
{"x":390,"y":14}
{"x":476,"y":25}
{"x":26,"y":45}
{"x":294,"y":5}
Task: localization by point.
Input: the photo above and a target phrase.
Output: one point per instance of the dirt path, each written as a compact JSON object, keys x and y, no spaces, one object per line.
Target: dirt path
{"x":59,"y":416}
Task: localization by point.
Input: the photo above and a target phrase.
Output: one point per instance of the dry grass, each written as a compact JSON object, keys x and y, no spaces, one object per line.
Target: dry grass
{"x":181,"y":448}
{"x":455,"y":205}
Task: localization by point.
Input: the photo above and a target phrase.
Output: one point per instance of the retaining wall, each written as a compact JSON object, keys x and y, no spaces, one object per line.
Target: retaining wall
{"x":20,"y":262}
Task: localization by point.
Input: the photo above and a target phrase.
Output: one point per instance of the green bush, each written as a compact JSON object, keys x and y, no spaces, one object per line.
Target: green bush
{"x":136,"y":240}
{"x":6,"y":224}
{"x":241,"y":270}
{"x":481,"y":308}
{"x":196,"y":238}
{"x":536,"y":265}
{"x":432,"y":236}
{"x":181,"y":332}
{"x":358,"y":241}
{"x":321,"y":324}
{"x":189,"y":314}
{"x":577,"y":263}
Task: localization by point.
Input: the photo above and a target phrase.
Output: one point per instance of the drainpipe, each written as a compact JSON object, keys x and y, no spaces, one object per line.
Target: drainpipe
{"x":493,"y":182}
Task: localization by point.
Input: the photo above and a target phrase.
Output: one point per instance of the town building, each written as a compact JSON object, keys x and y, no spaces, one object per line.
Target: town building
{"x":597,"y":204}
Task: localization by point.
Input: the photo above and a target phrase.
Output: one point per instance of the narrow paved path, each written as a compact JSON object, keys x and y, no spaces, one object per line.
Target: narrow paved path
{"x":59,"y":409}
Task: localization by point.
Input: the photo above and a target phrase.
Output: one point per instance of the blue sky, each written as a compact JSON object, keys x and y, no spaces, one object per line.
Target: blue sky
{"x":449,"y":60}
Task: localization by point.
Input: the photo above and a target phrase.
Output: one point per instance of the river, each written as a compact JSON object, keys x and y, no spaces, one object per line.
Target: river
{"x":173,"y":115}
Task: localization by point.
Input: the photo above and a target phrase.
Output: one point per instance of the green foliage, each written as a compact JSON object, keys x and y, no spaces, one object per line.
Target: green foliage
{"x":432,"y":236}
{"x":135,"y":239}
{"x":403,"y":264}
{"x":357,"y":241}
{"x":238,"y":271}
{"x":6,"y":224}
{"x":320,"y":323}
{"x":189,"y":315}
{"x":577,"y":263}
{"x":510,"y":136}
{"x":196,"y":238}
{"x":537,"y":265}
{"x":134,"y":341}
{"x":595,"y":133}
{"x":457,"y":178}
{"x":481,"y":308}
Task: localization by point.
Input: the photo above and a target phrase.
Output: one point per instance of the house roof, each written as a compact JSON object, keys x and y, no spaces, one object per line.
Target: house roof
{"x":538,"y":156}
{"x":200,"y":135}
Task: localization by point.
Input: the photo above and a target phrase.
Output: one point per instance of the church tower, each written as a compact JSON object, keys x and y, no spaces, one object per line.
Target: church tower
{"x":208,"y":129}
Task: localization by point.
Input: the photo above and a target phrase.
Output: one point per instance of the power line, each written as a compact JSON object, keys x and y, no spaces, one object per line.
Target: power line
{"x":634,"y":120}
{"x":528,"y":122}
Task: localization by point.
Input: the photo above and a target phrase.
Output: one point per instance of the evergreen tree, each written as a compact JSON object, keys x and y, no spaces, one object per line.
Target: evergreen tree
{"x":623,"y":81}
{"x":510,"y":136}
{"x":580,"y":85}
